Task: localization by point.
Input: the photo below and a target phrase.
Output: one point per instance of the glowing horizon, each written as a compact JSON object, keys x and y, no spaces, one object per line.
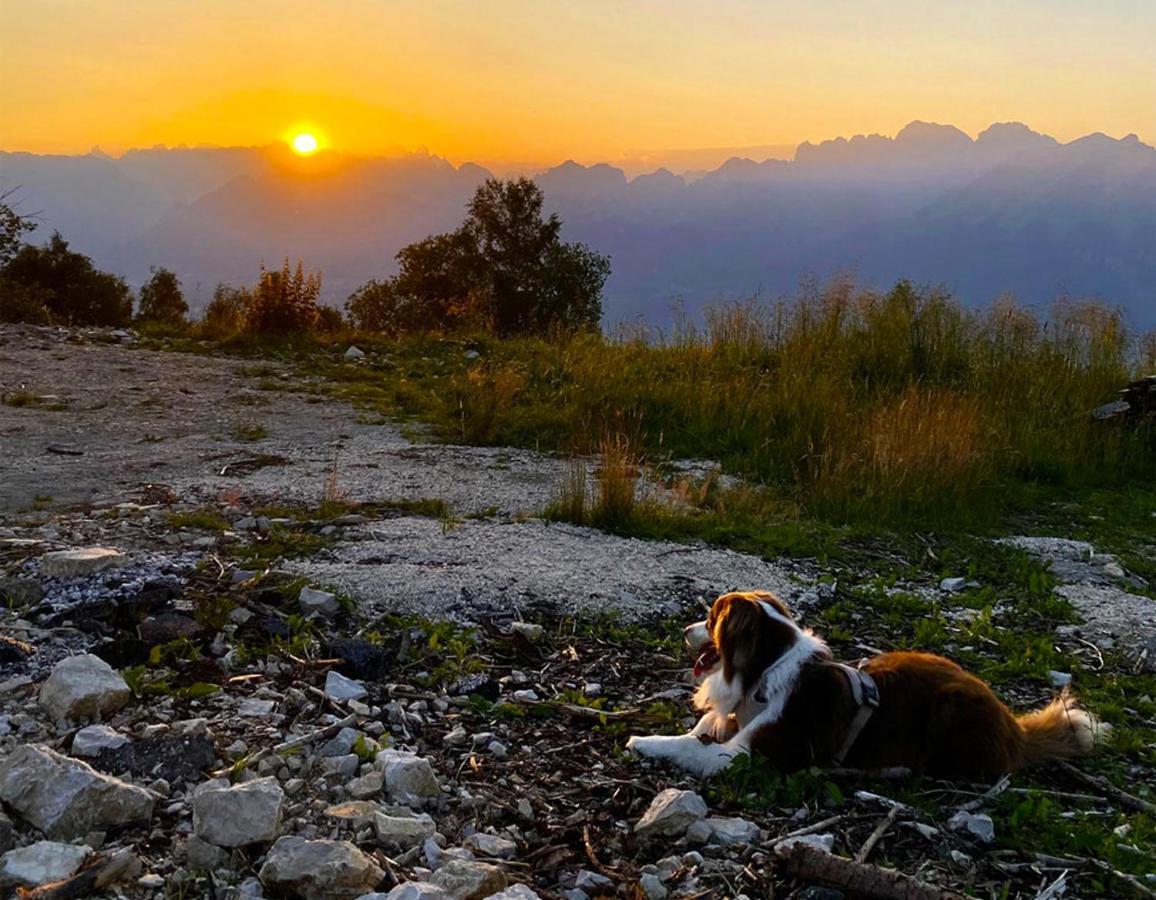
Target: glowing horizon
{"x":546,"y":81}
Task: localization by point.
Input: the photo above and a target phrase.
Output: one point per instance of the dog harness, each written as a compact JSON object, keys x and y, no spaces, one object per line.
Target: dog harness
{"x":865,"y":693}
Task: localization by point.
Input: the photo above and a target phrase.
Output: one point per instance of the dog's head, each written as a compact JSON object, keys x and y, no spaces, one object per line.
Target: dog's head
{"x":745,"y":633}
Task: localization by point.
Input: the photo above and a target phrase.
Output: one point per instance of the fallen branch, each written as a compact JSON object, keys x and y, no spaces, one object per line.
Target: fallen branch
{"x":877,"y":834}
{"x":587,"y":711}
{"x":327,"y":732}
{"x":994,"y":791}
{"x":809,"y":829}
{"x":1109,"y":790}
{"x":862,"y":879}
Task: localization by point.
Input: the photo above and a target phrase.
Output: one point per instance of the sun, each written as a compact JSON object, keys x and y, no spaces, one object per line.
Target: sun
{"x":305,"y":144}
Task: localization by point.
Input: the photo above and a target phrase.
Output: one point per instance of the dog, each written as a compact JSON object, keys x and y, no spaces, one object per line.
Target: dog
{"x":770,"y":687}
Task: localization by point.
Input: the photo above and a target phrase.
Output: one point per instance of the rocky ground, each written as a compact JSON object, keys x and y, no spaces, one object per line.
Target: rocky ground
{"x":281,"y":677}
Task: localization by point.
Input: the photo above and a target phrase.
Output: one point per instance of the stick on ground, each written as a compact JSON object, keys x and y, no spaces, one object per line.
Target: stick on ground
{"x":861,"y":879}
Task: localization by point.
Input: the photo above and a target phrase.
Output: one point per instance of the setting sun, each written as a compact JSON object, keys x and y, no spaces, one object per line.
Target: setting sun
{"x":304,"y":144}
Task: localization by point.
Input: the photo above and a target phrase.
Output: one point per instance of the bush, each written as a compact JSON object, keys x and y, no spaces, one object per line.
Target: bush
{"x":12,"y":228}
{"x":283,"y":302}
{"x":23,"y":303}
{"x":71,"y":288}
{"x":161,"y":300}
{"x":224,"y":315}
{"x":505,"y":269}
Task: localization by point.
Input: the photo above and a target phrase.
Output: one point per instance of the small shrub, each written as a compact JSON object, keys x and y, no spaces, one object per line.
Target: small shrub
{"x":161,"y":300}
{"x":283,"y":301}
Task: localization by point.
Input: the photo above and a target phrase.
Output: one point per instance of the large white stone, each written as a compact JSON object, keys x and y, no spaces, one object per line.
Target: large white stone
{"x":491,"y":845}
{"x":315,"y":602}
{"x":670,"y":814}
{"x":464,"y":880}
{"x":515,"y":892}
{"x":83,"y":687}
{"x":319,"y":870}
{"x":82,"y":561}
{"x":41,"y":863}
{"x":409,"y":779}
{"x":237,"y":815}
{"x":66,"y":798}
{"x":91,"y":740}
{"x":411,"y":890}
{"x":338,"y":687}
{"x":403,"y":832}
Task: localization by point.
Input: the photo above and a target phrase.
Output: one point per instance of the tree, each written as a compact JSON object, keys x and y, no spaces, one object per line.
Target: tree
{"x":225,"y":313}
{"x":161,"y":299}
{"x":12,"y":228}
{"x":72,"y":289}
{"x":283,"y":301}
{"x":505,"y":268}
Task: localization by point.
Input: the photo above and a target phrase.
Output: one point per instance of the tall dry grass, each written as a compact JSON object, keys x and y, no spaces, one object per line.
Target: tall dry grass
{"x":857,"y":404}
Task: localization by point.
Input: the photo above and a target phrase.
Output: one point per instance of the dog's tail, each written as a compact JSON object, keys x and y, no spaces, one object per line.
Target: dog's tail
{"x":1061,"y":730}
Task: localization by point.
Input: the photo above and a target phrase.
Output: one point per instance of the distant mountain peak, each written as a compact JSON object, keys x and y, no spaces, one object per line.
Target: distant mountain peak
{"x":932,"y":133}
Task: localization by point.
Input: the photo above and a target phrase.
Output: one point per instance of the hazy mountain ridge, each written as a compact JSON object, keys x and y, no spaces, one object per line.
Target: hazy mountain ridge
{"x":1011,"y":209}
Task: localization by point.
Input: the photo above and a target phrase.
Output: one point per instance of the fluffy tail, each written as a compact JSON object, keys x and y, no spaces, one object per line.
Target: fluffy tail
{"x":1060,"y":730}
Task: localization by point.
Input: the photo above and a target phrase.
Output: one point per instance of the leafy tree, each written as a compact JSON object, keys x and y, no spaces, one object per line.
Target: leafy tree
{"x":161,"y":299}
{"x":72,"y":289}
{"x":23,"y":303}
{"x":506,"y":268}
{"x":225,"y":313}
{"x":283,"y":301}
{"x":12,"y":227}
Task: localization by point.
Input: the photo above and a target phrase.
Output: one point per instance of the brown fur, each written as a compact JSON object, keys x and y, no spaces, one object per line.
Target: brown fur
{"x":933,"y":716}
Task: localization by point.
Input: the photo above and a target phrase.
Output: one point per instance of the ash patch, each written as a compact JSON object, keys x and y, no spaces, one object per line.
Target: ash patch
{"x":483,"y":567}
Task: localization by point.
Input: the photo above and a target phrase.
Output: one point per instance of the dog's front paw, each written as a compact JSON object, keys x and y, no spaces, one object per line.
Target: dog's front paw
{"x":645,"y":746}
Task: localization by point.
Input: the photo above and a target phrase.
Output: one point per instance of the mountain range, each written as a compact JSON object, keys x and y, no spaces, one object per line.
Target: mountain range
{"x":1011,"y":210}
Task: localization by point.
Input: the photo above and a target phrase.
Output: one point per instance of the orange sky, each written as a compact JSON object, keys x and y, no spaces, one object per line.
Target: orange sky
{"x":542,"y":80}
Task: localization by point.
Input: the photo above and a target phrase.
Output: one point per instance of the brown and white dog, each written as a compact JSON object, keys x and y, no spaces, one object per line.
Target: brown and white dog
{"x":772,"y":687}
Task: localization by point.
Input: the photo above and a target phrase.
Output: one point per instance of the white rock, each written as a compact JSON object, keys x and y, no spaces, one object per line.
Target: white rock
{"x":203,"y":856}
{"x":731,"y":831}
{"x":403,"y":832}
{"x":411,"y":890}
{"x":515,"y":892}
{"x":529,"y":630}
{"x":979,"y":825}
{"x":254,"y":708}
{"x":592,"y":883}
{"x":338,"y":687}
{"x":409,"y":779}
{"x":41,"y":863}
{"x":367,"y":786}
{"x":527,"y":696}
{"x":824,"y":842}
{"x":319,"y":870}
{"x":652,"y":887}
{"x":670,"y":814}
{"x":315,"y":602}
{"x":354,"y":353}
{"x":237,"y":815}
{"x":953,"y":585}
{"x":464,"y":880}
{"x":1060,"y":679}
{"x":66,"y":798}
{"x":497,"y":749}
{"x":79,"y":562}
{"x":83,"y":687}
{"x":491,"y":845}
{"x":91,"y":740}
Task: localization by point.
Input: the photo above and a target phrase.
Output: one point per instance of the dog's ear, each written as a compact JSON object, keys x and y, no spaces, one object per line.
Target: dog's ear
{"x":775,"y":602}
{"x":737,"y":637}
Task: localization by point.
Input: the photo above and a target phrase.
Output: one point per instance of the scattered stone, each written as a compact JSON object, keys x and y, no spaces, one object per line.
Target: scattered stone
{"x":354,"y":353}
{"x":670,"y":814}
{"x":203,"y":856}
{"x":465,"y":880}
{"x":528,"y":630}
{"x":652,"y":887}
{"x":367,"y":786}
{"x":1059,"y":679}
{"x":409,"y":779}
{"x":237,"y":815}
{"x":318,"y":603}
{"x":83,"y":687}
{"x":340,"y":688}
{"x":253,"y":708}
{"x":169,"y":626}
{"x":66,"y":798}
{"x":80,"y":562}
{"x":93,"y":739}
{"x":20,"y":592}
{"x":411,"y":890}
{"x":515,"y":892}
{"x":319,"y":870}
{"x":953,"y":585}
{"x":6,"y":840}
{"x":978,"y":825}
{"x":44,"y":862}
{"x":497,"y":749}
{"x":491,"y":845}
{"x":592,"y":883}
{"x":403,"y":832}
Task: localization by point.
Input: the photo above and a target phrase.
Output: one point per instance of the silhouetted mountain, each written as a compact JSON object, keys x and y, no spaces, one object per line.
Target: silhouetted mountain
{"x":1011,"y":210}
